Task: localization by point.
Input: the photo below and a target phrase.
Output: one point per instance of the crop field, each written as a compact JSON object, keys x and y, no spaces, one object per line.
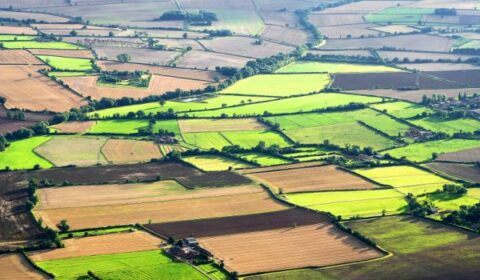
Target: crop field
{"x":17,"y":85}
{"x":263,"y":159}
{"x":18,"y":57}
{"x":279,"y":85}
{"x":24,"y":30}
{"x":403,"y":110}
{"x":250,"y":139}
{"x":130,"y":151}
{"x":206,"y":140}
{"x":8,"y":37}
{"x":291,"y":105}
{"x":148,"y":264}
{"x":264,"y":251}
{"x":147,"y":56}
{"x":20,"y":154}
{"x":446,"y":202}
{"x":349,"y":31}
{"x":437,"y":124}
{"x":406,"y":179}
{"x":281,"y":34}
{"x":67,"y":63}
{"x":417,"y":95}
{"x":469,"y":78}
{"x":131,"y":126}
{"x":215,"y":163}
{"x":435,"y":67}
{"x":217,"y":125}
{"x":465,"y":155}
{"x":63,"y":53}
{"x":399,"y":15}
{"x":319,"y":178}
{"x":73,"y":127}
{"x":420,"y":152}
{"x":73,"y":150}
{"x":413,"y":56}
{"x":125,"y":205}
{"x":395,"y":29}
{"x":325,"y":67}
{"x":353,"y":203}
{"x":100,"y":245}
{"x":165,"y":149}
{"x":209,"y":60}
{"x":40,"y":45}
{"x":466,"y":172}
{"x":14,"y":266}
{"x":280,"y":167}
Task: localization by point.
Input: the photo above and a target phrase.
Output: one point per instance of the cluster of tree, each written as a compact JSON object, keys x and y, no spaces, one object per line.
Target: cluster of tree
{"x":472,"y":51}
{"x":467,"y":216}
{"x":343,"y":58}
{"x":227,"y":71}
{"x":124,"y":57}
{"x":40,"y":128}
{"x":136,"y":78}
{"x":149,"y":130}
{"x":419,"y":208}
{"x":3,"y":143}
{"x":16,"y":115}
{"x":307,"y":25}
{"x":20,"y":21}
{"x":202,"y":18}
{"x":454,"y":189}
{"x":445,"y":12}
{"x":2,"y":100}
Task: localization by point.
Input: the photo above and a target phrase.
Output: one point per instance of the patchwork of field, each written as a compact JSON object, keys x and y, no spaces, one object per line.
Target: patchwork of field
{"x":213,"y":125}
{"x":147,"y":56}
{"x":20,"y":154}
{"x":425,"y":151}
{"x":67,"y":63}
{"x":209,"y":60}
{"x":279,"y":85}
{"x":448,"y":126}
{"x":405,"y":179}
{"x":403,"y":110}
{"x":465,"y":155}
{"x":15,"y":266}
{"x":40,"y":45}
{"x":17,"y":85}
{"x":18,"y":57}
{"x":130,"y":151}
{"x":264,"y":159}
{"x":215,"y":163}
{"x":465,"y":172}
{"x":125,"y":127}
{"x":326,"y":67}
{"x":127,"y":206}
{"x":319,"y":178}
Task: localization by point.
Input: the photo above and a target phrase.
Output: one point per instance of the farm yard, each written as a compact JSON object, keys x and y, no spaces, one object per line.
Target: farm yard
{"x":223,"y":139}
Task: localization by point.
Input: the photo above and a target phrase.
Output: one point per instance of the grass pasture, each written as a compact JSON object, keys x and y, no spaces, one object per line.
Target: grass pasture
{"x":450,"y":202}
{"x":264,"y":159}
{"x":399,"y":15}
{"x":216,"y":125}
{"x":8,"y":37}
{"x":402,"y":109}
{"x":67,"y":63}
{"x":327,"y":67}
{"x":206,"y":140}
{"x":250,"y":139}
{"x":20,"y":154}
{"x":215,"y":163}
{"x":40,"y":45}
{"x":279,"y":85}
{"x":131,"y":126}
{"x":450,"y":127}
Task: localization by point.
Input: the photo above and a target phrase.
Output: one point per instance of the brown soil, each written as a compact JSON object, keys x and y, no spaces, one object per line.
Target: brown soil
{"x":74,"y":127}
{"x":130,"y":151}
{"x":14,"y":266}
{"x":18,"y":57}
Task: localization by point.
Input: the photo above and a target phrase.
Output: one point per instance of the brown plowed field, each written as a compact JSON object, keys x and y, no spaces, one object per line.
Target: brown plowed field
{"x":14,"y":30}
{"x":470,"y":78}
{"x":464,"y":172}
{"x":210,"y":60}
{"x":239,"y":224}
{"x":281,"y":34}
{"x":35,"y":16}
{"x":130,"y":151}
{"x":335,"y":19}
{"x":14,"y":266}
{"x":74,"y":127}
{"x":36,"y":93}
{"x":65,"y":53}
{"x":320,"y":178}
{"x":416,"y":95}
{"x":287,"y":248}
{"x":18,"y":57}
{"x":9,"y":125}
{"x":354,"y":30}
{"x":87,"y":86}
{"x":280,"y":167}
{"x":100,"y":245}
{"x":209,"y":125}
{"x":469,"y":155}
{"x":161,"y":212}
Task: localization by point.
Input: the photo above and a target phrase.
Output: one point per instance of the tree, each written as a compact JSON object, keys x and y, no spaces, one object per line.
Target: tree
{"x":73,"y":33}
{"x":63,"y":226}
{"x":123,"y":57}
{"x":162,"y":102}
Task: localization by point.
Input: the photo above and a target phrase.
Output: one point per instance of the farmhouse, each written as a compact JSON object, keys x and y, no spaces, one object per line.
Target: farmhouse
{"x":188,"y":249}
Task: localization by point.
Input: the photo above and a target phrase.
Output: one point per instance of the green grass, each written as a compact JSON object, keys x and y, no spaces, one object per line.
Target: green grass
{"x":215,"y":163}
{"x":264,"y":159}
{"x":67,"y":63}
{"x":250,"y":139}
{"x":206,"y":140}
{"x":399,"y":15}
{"x":131,"y":126}
{"x":214,"y":272}
{"x":136,"y":265}
{"x":20,"y":155}
{"x":406,"y":179}
{"x":279,"y":85}
{"x":446,"y":201}
{"x":40,"y":45}
{"x":402,"y":109}
{"x":95,"y":232}
{"x":327,"y":67}
{"x":291,"y":105}
{"x":6,"y":37}
{"x":66,"y":74}
{"x":437,"y":124}
{"x":420,"y":152}
{"x":353,"y":203}
{"x":215,"y":102}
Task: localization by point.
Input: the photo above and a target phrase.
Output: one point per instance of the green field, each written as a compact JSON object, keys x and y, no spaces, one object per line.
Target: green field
{"x":131,"y":126}
{"x":215,"y":163}
{"x":67,"y":63}
{"x":279,"y":85}
{"x":420,"y":152}
{"x":73,"y":150}
{"x":95,"y":232}
{"x":406,"y":179}
{"x":214,"y":272}
{"x":7,"y":37}
{"x":206,"y":140}
{"x":445,"y":201}
{"x":40,"y":45}
{"x":20,"y":155}
{"x":250,"y":139}
{"x":399,"y":15}
{"x":264,"y":159}
{"x":136,"y":265}
{"x":353,"y":203}
{"x":436,"y":124}
{"x":291,"y":105}
{"x":402,"y":109}
{"x":215,"y":102}
{"x":327,"y":67}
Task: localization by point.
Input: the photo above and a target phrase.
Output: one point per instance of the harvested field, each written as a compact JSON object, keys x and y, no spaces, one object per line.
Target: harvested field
{"x":35,"y":16}
{"x":286,"y":35}
{"x":468,"y":155}
{"x":87,"y":86}
{"x":213,"y":125}
{"x":395,"y":80}
{"x":318,"y":178}
{"x":130,"y":151}
{"x":238,"y":224}
{"x":74,"y":127}
{"x":394,"y":29}
{"x":345,"y":31}
{"x":416,"y":95}
{"x":147,"y":56}
{"x":162,"y":71}
{"x":63,"y":53}
{"x":15,"y":266}
{"x":280,"y":167}
{"x":100,"y":245}
{"x":335,"y":19}
{"x":23,"y":30}
{"x":215,"y":163}
{"x":469,"y":78}
{"x":365,"y":53}
{"x":265,"y":251}
{"x":18,"y":57}
{"x":160,"y":212}
{"x":16,"y":86}
{"x":413,"y":56}
{"x":466,"y":172}
{"x":439,"y":66}
{"x":76,"y":150}
{"x":210,"y":60}
{"x":280,"y":18}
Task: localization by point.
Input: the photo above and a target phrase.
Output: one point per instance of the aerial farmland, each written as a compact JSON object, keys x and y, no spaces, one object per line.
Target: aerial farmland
{"x":255,"y":139}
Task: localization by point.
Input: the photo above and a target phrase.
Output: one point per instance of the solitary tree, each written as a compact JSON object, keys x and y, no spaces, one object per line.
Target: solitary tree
{"x":123,"y":57}
{"x":63,"y":226}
